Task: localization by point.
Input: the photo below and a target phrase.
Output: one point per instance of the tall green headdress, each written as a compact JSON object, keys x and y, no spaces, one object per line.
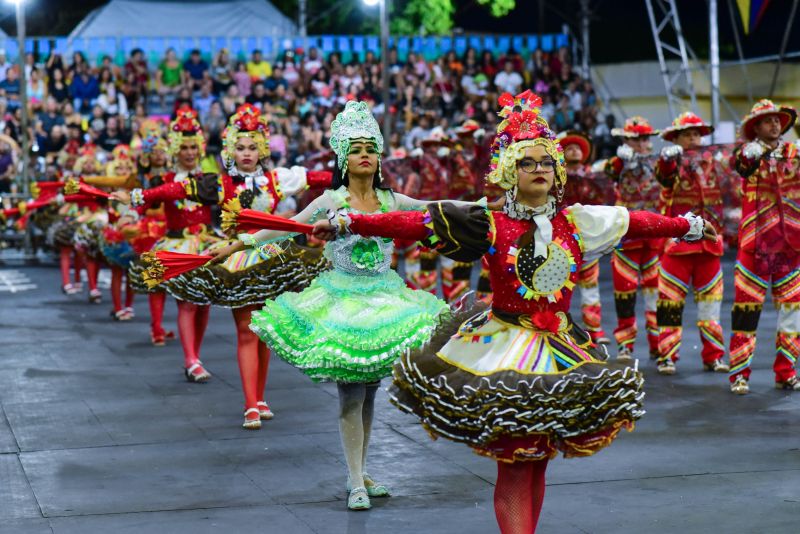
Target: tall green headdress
{"x":355,"y":122}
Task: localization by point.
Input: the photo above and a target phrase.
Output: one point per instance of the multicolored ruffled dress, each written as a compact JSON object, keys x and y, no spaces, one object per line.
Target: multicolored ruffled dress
{"x":250,"y":276}
{"x":188,"y":226}
{"x":89,"y":231}
{"x":354,"y":321}
{"x":519,"y":381}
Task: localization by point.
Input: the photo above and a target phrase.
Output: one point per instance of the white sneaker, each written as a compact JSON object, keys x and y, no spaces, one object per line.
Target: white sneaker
{"x":740,"y":386}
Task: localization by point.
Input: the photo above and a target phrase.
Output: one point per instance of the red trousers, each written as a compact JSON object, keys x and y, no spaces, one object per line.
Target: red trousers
{"x":704,"y":272}
{"x":751,"y":280}
{"x":630,"y":268}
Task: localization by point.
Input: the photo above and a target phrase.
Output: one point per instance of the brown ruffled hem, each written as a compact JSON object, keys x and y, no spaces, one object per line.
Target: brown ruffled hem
{"x":578,"y":412}
{"x":293,"y":270}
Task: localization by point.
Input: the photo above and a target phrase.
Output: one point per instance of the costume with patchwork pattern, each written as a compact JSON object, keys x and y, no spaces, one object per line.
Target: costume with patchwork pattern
{"x":690,"y":185}
{"x":635,"y":262}
{"x":769,"y":247}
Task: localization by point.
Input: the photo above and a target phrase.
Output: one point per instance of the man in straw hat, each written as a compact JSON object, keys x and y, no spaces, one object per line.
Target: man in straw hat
{"x":583,"y":188}
{"x":769,"y":244}
{"x":687,"y":174}
{"x":635,"y":261}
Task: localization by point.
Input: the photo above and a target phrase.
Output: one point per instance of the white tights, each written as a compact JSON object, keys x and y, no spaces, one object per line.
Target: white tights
{"x":356,"y":409}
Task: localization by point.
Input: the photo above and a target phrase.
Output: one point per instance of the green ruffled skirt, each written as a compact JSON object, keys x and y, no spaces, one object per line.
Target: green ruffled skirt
{"x":348,"y":328}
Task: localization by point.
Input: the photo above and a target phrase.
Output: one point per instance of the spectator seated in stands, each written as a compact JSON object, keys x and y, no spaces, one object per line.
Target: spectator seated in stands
{"x":275,"y":80}
{"x":84,"y":89}
{"x":195,"y":71}
{"x":508,"y":80}
{"x":259,"y":96}
{"x":169,"y":76}
{"x":51,"y":116}
{"x":257,"y":68}
{"x":10,"y":87}
{"x":112,"y":135}
{"x":137,"y":73}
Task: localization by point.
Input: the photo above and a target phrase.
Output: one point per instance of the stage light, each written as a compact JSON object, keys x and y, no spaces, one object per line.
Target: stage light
{"x":372,"y":2}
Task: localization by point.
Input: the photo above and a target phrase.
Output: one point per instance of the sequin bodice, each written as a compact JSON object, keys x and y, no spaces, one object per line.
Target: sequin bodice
{"x":362,"y":256}
{"x":523,"y":284}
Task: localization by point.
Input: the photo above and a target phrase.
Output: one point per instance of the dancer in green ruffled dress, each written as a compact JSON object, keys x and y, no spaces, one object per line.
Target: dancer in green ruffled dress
{"x":352,"y":323}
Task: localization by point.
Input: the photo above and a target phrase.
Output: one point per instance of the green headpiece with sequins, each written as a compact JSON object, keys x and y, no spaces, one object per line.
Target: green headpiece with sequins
{"x":355,"y":122}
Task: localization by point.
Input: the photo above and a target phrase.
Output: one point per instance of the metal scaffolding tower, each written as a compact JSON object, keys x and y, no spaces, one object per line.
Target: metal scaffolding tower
{"x":678,"y":83}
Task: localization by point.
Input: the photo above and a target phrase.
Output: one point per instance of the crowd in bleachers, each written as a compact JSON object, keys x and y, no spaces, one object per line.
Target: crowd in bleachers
{"x":103,"y":102}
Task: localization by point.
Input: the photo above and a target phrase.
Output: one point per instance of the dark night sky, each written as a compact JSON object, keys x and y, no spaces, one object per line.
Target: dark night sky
{"x":620,"y":30}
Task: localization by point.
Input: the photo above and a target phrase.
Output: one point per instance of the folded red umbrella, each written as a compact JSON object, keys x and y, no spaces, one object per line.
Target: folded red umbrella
{"x":235,"y":220}
{"x":73,"y":187}
{"x":162,"y":265}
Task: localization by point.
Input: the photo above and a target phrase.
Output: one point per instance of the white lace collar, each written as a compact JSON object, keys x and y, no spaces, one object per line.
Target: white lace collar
{"x":540,"y":216}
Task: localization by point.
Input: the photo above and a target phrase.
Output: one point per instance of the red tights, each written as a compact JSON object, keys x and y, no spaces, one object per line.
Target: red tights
{"x":92,"y":269}
{"x":192,"y":323}
{"x":66,"y":255}
{"x":253,"y":357}
{"x":116,"y":289}
{"x":518,"y":496}
{"x":156,"y":301}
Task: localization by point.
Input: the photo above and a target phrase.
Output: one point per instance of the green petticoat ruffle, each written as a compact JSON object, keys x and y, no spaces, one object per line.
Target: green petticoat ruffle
{"x":348,"y":328}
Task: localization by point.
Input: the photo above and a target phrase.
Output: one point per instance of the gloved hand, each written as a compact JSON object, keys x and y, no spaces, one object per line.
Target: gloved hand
{"x":625,"y":152}
{"x":671,"y":152}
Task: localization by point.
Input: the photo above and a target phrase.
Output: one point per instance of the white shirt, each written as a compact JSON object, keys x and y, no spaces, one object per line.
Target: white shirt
{"x":509,"y":82}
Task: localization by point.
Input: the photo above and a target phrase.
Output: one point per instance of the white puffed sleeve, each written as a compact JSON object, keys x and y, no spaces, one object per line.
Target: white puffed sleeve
{"x":600,"y":228}
{"x":291,"y":180}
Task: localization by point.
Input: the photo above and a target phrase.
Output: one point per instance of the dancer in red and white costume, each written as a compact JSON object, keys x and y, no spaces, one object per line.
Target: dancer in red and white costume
{"x":635,"y":262}
{"x":188,"y":231}
{"x":687,"y":174}
{"x":769,"y":244}
{"x":583,"y":188}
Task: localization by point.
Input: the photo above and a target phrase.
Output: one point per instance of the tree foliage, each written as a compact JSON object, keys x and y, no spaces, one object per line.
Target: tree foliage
{"x":407,"y":17}
{"x":499,"y":8}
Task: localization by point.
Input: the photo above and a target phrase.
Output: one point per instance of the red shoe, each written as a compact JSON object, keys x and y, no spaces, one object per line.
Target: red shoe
{"x":157,"y":339}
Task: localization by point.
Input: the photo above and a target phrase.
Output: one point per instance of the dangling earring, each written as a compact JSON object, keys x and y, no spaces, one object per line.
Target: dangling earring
{"x":559,"y":193}
{"x":344,"y":171}
{"x":380,"y":171}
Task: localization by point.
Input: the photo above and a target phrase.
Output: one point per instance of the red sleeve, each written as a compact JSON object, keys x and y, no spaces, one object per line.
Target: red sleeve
{"x":408,"y":225}
{"x":319,"y":179}
{"x":613,"y":167}
{"x":168,"y":191}
{"x":644,"y":224}
{"x":744,"y":165}
{"x":666,"y":172}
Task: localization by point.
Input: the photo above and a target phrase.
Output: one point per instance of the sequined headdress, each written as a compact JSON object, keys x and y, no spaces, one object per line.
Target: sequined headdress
{"x":246,"y":122}
{"x":522,"y":127}
{"x":355,"y":122}
{"x":88,"y":155}
{"x":120,"y":154}
{"x":186,"y":127}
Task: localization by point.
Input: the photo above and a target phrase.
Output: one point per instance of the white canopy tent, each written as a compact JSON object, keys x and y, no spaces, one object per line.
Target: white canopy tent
{"x":185,"y":18}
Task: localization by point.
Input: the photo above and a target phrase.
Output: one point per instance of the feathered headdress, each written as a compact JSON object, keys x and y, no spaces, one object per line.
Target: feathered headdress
{"x":521,"y":127}
{"x":186,"y":127}
{"x":246,"y":122}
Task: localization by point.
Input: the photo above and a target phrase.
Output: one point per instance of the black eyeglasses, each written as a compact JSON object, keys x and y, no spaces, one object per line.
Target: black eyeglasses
{"x":531,"y":165}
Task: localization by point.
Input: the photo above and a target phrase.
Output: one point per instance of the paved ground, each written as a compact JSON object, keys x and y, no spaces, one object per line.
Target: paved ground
{"x":100,"y":433}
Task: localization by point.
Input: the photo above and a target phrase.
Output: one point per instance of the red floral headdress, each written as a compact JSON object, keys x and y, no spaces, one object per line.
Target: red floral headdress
{"x":521,"y":122}
{"x":686,"y":121}
{"x":247,"y":121}
{"x":186,"y":127}
{"x":635,"y":126}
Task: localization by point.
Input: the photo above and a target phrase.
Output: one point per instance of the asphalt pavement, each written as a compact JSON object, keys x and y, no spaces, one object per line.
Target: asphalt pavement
{"x":99,"y":432}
